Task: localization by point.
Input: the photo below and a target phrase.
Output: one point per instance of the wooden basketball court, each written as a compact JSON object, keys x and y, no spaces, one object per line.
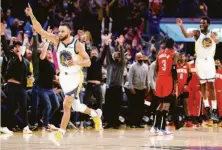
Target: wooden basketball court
{"x":122,"y":139}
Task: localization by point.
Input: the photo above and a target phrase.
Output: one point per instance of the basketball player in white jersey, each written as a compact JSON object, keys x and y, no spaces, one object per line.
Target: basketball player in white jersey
{"x":71,"y":56}
{"x":205,"y":47}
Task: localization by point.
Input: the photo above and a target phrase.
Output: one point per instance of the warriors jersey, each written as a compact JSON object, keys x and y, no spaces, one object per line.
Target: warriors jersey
{"x":66,"y":53}
{"x":205,"y":46}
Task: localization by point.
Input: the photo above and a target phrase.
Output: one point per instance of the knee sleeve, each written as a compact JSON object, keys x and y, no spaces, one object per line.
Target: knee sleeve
{"x":77,"y":106}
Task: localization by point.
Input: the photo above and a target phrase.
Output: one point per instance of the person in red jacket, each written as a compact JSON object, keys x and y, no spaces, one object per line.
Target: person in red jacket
{"x":165,"y":85}
{"x":184,"y":76}
{"x":194,"y":100}
{"x":218,"y":86}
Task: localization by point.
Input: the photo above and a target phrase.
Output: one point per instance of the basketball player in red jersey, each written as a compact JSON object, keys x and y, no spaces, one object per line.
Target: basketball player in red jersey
{"x":184,"y":76}
{"x":194,"y":99}
{"x":166,"y":77}
{"x":218,"y":86}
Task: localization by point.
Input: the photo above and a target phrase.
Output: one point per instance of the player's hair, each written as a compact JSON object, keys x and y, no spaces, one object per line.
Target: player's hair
{"x":206,"y":18}
{"x":169,"y":43}
{"x":67,"y":24}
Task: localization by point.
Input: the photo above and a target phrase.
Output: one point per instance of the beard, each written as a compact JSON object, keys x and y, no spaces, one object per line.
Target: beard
{"x":63,"y":38}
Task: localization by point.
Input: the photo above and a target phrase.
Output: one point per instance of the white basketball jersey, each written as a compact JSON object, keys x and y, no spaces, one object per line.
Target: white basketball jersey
{"x":66,"y":53}
{"x":205,"y":46}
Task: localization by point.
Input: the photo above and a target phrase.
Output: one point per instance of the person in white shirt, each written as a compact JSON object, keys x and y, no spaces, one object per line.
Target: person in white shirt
{"x":205,"y":47}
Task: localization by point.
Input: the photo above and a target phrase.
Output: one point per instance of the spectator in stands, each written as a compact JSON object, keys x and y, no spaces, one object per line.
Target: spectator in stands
{"x":154,"y":22}
{"x":94,"y":74}
{"x":114,"y":94}
{"x":138,"y":86}
{"x":47,"y":74}
{"x":17,"y":73}
{"x":35,"y":88}
{"x":155,"y":5}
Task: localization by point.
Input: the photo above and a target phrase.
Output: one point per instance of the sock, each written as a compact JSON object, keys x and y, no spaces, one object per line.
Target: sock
{"x":206,"y":103}
{"x":62,"y":130}
{"x":163,"y":120}
{"x":157,"y":120}
{"x":93,"y":113}
{"x":214,"y":104}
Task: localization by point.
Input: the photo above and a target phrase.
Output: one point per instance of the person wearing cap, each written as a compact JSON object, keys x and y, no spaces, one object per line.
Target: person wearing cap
{"x":16,"y":75}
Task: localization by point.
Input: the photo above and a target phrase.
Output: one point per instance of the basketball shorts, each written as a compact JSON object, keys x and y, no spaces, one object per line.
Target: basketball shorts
{"x":205,"y":68}
{"x":71,"y":83}
{"x":164,"y":86}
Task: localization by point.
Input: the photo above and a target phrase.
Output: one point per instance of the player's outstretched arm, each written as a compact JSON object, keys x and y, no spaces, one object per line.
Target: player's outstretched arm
{"x":37,"y":26}
{"x":85,"y":62}
{"x":185,"y":33}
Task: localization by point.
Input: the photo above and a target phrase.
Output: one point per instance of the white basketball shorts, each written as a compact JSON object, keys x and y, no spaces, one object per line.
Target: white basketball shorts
{"x":205,"y":68}
{"x":71,"y":83}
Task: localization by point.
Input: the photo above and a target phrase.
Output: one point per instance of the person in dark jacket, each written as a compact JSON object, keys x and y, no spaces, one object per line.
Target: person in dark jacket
{"x":17,"y":73}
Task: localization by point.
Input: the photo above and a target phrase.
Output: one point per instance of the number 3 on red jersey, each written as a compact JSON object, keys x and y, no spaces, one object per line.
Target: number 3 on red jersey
{"x":164,"y":65}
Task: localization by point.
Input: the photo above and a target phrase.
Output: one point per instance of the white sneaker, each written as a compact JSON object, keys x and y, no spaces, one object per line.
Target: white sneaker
{"x":97,"y":120}
{"x":26,"y":130}
{"x":52,"y":127}
{"x":5,"y":130}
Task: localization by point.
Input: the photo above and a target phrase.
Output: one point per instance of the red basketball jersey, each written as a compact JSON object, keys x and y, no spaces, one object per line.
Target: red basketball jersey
{"x":165,"y":62}
{"x":164,"y":80}
{"x":182,"y":75}
{"x":218,"y":81}
{"x":195,"y":79}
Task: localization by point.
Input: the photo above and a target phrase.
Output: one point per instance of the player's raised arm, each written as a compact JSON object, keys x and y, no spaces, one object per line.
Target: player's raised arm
{"x":194,"y":33}
{"x":37,"y":26}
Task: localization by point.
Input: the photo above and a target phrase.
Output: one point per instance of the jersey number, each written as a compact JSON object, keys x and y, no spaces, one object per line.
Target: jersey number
{"x":163,"y":65}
